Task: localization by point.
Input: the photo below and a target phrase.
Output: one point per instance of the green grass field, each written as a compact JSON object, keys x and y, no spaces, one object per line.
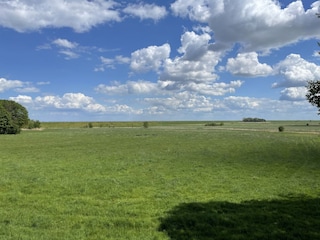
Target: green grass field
{"x":169,"y":181}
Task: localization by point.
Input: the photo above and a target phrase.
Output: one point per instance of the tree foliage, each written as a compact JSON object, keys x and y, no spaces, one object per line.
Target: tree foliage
{"x":313,"y":93}
{"x":13,"y":117}
{"x":253,"y":120}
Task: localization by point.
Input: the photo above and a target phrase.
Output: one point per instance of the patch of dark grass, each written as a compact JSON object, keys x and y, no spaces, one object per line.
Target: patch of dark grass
{"x":289,"y":218}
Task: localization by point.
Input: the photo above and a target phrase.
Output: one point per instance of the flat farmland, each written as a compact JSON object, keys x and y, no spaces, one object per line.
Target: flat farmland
{"x":172,"y":180}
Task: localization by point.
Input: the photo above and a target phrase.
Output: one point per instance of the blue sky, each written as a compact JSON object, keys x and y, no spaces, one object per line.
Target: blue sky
{"x":99,"y":60}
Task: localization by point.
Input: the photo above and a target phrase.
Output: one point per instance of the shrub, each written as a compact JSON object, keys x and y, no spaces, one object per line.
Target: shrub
{"x":34,"y":124}
{"x":145,"y":124}
{"x":281,"y":129}
{"x":213,"y":124}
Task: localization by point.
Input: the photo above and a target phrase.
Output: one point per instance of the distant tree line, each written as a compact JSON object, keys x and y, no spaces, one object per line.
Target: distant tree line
{"x":13,"y":117}
{"x":253,"y":120}
{"x":213,"y":124}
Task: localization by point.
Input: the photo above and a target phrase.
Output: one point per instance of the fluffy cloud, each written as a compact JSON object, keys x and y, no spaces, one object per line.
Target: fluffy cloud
{"x":296,"y":71}
{"x":81,"y":15}
{"x":150,"y":58}
{"x":22,"y":99}
{"x":194,"y":46}
{"x":234,"y":102}
{"x":131,"y":87}
{"x":195,"y":10}
{"x":213,"y":89}
{"x":179,"y":102}
{"x":195,"y":65}
{"x":122,"y":109}
{"x":294,"y":94}
{"x":146,"y":11}
{"x":256,"y":25}
{"x":247,"y":64}
{"x":9,"y":84}
{"x":75,"y":101}
{"x":181,"y":71}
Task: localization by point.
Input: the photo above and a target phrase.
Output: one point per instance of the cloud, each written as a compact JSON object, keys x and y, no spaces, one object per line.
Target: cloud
{"x":122,"y":109}
{"x":181,"y":71}
{"x":22,"y":99}
{"x":150,"y":58}
{"x":213,"y":89}
{"x":27,"y":90}
{"x":146,"y":11}
{"x":179,"y":102}
{"x":64,"y":43}
{"x":196,"y":64}
{"x":256,"y":25}
{"x":294,"y":94}
{"x":236,"y":102}
{"x":194,"y":46}
{"x":296,"y":71}
{"x":111,"y":62}
{"x":131,"y":87}
{"x":247,"y":64}
{"x":10,"y":84}
{"x":73,"y":101}
{"x":80,"y":15}
{"x":195,"y":10}
{"x":237,"y":107}
{"x":69,"y":49}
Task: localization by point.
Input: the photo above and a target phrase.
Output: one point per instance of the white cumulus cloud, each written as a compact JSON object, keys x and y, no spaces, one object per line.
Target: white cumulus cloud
{"x":9,"y":84}
{"x":146,"y":11}
{"x":247,"y":64}
{"x":296,"y":71}
{"x":75,"y":101}
{"x":294,"y":94}
{"x":80,"y":15}
{"x":257,"y":25}
{"x":150,"y":58}
{"x":22,"y":99}
{"x":131,"y":87}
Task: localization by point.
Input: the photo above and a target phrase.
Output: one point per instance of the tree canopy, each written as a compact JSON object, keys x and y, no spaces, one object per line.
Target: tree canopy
{"x":313,"y":94}
{"x":13,"y":116}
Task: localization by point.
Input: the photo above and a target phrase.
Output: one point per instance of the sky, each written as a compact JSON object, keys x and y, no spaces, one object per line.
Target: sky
{"x":159,"y":60}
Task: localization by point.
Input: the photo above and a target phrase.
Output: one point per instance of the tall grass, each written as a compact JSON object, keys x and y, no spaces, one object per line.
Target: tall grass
{"x":125,"y":183}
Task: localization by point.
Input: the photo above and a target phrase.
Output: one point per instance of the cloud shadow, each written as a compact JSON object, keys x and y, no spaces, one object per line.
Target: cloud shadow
{"x":294,"y":217}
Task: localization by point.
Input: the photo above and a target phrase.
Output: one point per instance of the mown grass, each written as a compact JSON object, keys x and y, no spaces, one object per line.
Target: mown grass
{"x":135,"y":183}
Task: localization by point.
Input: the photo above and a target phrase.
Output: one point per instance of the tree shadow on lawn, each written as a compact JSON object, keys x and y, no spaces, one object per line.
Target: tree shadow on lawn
{"x":291,"y":218}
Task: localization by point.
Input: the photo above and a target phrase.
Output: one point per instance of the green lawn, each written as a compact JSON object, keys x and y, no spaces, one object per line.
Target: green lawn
{"x":170,"y":181}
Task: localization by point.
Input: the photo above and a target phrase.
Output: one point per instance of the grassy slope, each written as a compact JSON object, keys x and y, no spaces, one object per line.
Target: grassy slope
{"x":125,"y":183}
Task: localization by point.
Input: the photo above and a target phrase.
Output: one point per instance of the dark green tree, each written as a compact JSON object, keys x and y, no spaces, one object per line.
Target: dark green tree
{"x":13,"y":117}
{"x":313,"y":93}
{"x":17,"y":112}
{"x":6,"y":124}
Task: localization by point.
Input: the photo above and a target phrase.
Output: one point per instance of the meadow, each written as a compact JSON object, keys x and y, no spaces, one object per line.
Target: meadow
{"x":172,"y":180}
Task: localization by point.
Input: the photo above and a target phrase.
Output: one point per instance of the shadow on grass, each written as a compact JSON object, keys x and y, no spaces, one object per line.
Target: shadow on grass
{"x":291,"y":218}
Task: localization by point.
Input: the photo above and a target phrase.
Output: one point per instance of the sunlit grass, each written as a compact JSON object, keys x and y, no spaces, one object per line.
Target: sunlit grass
{"x":118,"y":183}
